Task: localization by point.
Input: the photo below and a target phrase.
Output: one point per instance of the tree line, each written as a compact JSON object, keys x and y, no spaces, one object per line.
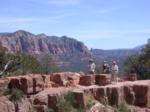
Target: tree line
{"x":22,"y":64}
{"x":140,"y":63}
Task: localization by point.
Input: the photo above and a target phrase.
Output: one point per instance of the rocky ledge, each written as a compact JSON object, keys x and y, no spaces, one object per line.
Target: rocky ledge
{"x":43,"y":91}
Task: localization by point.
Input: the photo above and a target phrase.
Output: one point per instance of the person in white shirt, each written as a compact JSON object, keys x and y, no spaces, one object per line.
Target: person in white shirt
{"x":91,"y":66}
{"x":115,"y":71}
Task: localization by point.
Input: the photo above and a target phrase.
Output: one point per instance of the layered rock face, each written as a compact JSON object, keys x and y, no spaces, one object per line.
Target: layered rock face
{"x":26,"y":42}
{"x":42,"y":92}
{"x":65,"y":51}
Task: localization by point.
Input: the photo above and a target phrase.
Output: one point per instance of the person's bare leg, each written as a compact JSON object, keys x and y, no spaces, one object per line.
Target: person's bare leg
{"x":112,"y":77}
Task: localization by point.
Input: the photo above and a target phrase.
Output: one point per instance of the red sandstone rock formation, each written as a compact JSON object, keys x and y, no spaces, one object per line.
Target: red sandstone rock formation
{"x":40,"y":96}
{"x":65,"y":79}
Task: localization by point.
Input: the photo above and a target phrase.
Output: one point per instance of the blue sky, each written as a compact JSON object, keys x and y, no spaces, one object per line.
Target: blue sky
{"x":104,"y":24}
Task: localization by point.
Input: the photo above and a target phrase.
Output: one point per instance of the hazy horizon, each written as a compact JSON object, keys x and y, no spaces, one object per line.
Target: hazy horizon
{"x":101,"y":24}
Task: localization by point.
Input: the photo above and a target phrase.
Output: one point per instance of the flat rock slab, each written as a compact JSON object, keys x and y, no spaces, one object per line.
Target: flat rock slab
{"x":87,"y":80}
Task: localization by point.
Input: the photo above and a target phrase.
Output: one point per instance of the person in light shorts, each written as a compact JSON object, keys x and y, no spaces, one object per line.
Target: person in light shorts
{"x":114,"y":71}
{"x":91,"y":66}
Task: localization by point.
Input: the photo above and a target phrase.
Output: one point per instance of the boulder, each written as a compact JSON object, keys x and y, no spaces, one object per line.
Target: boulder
{"x":52,"y":102}
{"x":58,"y":79}
{"x":138,"y":109}
{"x":113,"y":96}
{"x":102,"y":79}
{"x":79,"y":99}
{"x":3,"y":85}
{"x":40,"y":99}
{"x":14,"y":82}
{"x":141,"y":94}
{"x":40,"y":108}
{"x":38,"y":83}
{"x":46,"y":79}
{"x":29,"y":84}
{"x":49,"y":97}
{"x":65,"y":78}
{"x":129,"y":95}
{"x":100,"y":93}
{"x":98,"y":107}
{"x":26,"y":84}
{"x":24,"y":105}
{"x":110,"y":94}
{"x":6,"y":105}
{"x":86,"y":80}
{"x":73,"y":80}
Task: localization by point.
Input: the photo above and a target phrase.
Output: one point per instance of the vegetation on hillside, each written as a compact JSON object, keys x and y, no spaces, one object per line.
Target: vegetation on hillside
{"x":68,"y":103}
{"x":21,"y":64}
{"x":140,"y":64}
{"x":48,"y":65}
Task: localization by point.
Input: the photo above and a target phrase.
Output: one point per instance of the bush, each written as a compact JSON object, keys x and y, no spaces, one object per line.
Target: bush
{"x":104,"y":101}
{"x":66,"y":103}
{"x":140,"y":63}
{"x":50,"y":110}
{"x":90,"y":101}
{"x":97,"y":71}
{"x":14,"y":94}
{"x":123,"y":107}
{"x":13,"y":64}
{"x":48,"y":65}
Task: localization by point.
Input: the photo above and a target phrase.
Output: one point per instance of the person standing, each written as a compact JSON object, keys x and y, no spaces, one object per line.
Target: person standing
{"x":91,"y":66}
{"x":106,"y":69}
{"x":115,"y":71}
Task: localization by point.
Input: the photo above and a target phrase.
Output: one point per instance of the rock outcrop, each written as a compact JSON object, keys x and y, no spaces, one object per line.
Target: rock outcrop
{"x":59,"y":48}
{"x":26,"y":42}
{"x":39,"y":96}
{"x":24,"y":105}
{"x":65,"y":79}
{"x":30,"y":84}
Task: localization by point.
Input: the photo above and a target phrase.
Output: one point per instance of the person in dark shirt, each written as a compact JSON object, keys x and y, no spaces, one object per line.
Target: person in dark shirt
{"x":106,"y":68}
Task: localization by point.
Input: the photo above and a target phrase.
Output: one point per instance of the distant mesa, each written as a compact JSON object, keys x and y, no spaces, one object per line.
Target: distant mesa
{"x":70,"y":54}
{"x":63,"y":49}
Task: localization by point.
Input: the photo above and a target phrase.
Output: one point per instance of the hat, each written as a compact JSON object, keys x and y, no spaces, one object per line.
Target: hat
{"x":114,"y":62}
{"x":91,"y":60}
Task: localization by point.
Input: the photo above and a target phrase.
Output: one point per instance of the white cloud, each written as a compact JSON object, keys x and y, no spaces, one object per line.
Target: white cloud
{"x":110,"y":34}
{"x":63,"y":3}
{"x":15,"y":20}
{"x":48,"y":19}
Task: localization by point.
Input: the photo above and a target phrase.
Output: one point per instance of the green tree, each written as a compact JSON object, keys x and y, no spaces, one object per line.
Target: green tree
{"x":15,"y":95}
{"x":97,"y":71}
{"x":22,"y":64}
{"x":140,"y":63}
{"x":2,"y":57}
{"x":29,"y":64}
{"x":48,"y":65}
{"x":17,"y":64}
